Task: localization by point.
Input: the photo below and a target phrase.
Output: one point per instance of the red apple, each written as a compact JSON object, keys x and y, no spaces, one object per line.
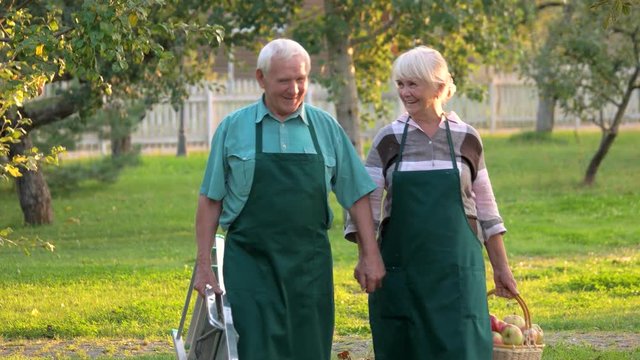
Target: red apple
{"x":500,"y":325}
{"x":494,"y":322}
{"x":497,"y":338}
{"x":512,"y":335}
{"x":516,"y":320}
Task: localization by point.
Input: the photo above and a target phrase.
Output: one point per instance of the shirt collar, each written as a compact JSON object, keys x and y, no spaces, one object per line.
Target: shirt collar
{"x":451,"y":116}
{"x":264,"y":111}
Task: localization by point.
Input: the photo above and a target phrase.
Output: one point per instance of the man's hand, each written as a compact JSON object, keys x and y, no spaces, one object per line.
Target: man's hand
{"x":369,"y":272}
{"x":204,"y":277}
{"x":207,"y":216}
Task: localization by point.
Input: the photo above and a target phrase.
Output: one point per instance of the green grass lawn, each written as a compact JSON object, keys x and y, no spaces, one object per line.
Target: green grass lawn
{"x":124,"y":252}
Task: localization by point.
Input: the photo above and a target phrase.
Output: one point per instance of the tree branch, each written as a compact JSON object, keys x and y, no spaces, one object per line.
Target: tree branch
{"x":386,"y":26}
{"x":57,"y":34}
{"x":606,"y":97}
{"x":550,"y":4}
{"x":43,"y":111}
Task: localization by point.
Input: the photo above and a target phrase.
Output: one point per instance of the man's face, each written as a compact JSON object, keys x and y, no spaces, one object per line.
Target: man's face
{"x":284,"y":85}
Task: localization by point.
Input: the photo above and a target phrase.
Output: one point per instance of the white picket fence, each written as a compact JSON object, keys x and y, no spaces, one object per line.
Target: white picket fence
{"x":510,"y":104}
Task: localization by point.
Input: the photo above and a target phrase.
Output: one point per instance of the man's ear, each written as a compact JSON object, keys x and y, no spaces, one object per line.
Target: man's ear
{"x":260,"y":77}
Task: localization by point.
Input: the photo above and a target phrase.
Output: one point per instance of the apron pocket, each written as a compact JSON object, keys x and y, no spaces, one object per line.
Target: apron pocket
{"x":474,"y":292}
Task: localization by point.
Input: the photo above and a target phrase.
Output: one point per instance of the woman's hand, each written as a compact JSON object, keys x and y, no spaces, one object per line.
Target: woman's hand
{"x":505,"y":283}
{"x":502,"y":277}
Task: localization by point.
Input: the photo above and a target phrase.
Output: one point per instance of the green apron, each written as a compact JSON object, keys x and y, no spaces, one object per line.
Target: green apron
{"x":432,"y":304}
{"x":277,"y":260}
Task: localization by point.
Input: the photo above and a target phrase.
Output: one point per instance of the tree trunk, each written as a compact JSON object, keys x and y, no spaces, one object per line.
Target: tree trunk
{"x":545,"y":114}
{"x":182,"y":139}
{"x":343,"y":79}
{"x":605,"y":144}
{"x":610,"y":134}
{"x":121,"y":145}
{"x":33,"y":191}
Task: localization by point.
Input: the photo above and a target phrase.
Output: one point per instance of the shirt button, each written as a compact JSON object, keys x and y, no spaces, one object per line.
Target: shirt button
{"x":430,"y":141}
{"x":284,"y":146}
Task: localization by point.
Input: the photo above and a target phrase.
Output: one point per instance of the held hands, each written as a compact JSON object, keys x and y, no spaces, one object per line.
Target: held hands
{"x":369,"y":272}
{"x":204,"y":277}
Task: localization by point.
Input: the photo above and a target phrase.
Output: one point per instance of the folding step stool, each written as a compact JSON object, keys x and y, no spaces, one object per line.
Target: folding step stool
{"x":211,"y":334}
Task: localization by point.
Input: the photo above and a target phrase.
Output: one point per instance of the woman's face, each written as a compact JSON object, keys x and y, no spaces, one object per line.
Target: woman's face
{"x":416,"y":94}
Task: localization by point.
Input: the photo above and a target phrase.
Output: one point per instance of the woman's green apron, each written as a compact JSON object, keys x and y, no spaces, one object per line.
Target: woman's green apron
{"x":432,"y":304}
{"x":277,"y":261}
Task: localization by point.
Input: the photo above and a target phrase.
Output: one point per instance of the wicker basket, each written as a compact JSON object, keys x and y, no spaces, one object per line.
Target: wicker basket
{"x":528,"y":351}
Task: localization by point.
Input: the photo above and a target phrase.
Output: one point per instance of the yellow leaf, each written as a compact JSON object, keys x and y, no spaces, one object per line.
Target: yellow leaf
{"x":18,"y":97}
{"x":35,"y":312}
{"x":39,"y":50}
{"x":133,"y":19}
{"x":19,"y":159}
{"x":73,"y":220}
{"x":13,"y":171}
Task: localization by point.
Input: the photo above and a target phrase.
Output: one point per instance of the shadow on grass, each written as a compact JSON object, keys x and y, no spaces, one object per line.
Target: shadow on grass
{"x":534,"y":137}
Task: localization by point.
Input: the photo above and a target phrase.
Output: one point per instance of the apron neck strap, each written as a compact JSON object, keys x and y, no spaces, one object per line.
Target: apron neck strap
{"x":312,"y":132}
{"x":404,"y":138}
{"x":454,"y":163}
{"x":452,"y":153}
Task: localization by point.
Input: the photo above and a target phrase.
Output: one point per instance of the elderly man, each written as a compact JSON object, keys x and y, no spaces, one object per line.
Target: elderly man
{"x":271,"y":166}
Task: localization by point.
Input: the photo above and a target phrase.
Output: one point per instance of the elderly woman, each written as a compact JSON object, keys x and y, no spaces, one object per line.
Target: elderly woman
{"x":438,"y":211}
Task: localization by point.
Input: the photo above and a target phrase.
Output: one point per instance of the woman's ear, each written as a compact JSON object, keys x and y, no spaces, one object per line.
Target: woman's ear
{"x":440,"y":92}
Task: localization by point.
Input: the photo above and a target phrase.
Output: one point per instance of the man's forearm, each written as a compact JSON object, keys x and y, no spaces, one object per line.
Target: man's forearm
{"x":361,"y":214}
{"x":207,"y":217}
{"x":370,"y":269}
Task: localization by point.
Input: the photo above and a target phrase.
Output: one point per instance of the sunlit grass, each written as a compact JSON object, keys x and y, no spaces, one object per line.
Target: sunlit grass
{"x":124,"y":252}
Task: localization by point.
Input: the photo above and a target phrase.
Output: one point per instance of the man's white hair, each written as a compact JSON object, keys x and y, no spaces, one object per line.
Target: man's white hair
{"x":281,"y":48}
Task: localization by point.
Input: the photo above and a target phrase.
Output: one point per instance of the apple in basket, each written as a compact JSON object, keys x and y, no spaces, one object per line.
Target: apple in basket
{"x":497,"y":338}
{"x":540,"y":338}
{"x":530,"y":336}
{"x":496,"y":324}
{"x":512,"y":335}
{"x":516,"y":320}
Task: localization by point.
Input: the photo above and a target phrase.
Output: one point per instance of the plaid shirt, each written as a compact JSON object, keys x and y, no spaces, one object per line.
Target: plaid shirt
{"x":423,"y":153}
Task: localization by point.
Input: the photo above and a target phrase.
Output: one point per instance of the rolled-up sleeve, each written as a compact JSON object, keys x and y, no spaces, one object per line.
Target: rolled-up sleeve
{"x":374,"y":170}
{"x":213,"y":183}
{"x":350,"y":181}
{"x":488,"y":214}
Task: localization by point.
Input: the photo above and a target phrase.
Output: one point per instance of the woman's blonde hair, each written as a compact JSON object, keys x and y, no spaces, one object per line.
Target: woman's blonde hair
{"x":426,"y":64}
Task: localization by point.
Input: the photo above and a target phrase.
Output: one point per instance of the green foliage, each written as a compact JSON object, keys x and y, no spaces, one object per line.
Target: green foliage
{"x":468,"y":33}
{"x":14,"y":166}
{"x":26,"y":244}
{"x":119,"y":46}
{"x":109,"y":50}
{"x":586,"y":67}
{"x":249,"y":21}
{"x":616,"y":8}
{"x":100,"y":172}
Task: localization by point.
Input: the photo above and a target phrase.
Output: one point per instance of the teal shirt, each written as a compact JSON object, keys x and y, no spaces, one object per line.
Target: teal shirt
{"x":229,"y":173}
